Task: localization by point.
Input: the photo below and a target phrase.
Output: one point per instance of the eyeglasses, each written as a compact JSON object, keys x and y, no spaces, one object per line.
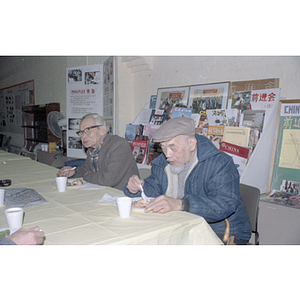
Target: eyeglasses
{"x":87,"y":130}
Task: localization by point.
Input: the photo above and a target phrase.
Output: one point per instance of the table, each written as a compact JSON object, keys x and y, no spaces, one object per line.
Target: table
{"x":74,"y":218}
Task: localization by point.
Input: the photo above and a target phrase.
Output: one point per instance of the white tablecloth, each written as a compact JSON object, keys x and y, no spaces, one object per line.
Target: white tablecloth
{"x":73,"y":217}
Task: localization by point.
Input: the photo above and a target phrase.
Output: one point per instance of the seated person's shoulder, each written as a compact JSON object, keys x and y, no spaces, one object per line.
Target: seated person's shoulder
{"x":116,"y":139}
{"x":117,"y":142}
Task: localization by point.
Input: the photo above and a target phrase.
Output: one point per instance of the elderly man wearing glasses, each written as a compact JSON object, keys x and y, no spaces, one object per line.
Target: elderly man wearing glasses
{"x":109,"y":159}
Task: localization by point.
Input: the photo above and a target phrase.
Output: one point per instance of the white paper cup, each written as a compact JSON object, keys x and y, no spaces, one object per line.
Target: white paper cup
{"x":2,"y":194}
{"x":124,"y":206}
{"x":14,"y":217}
{"x":61,"y":183}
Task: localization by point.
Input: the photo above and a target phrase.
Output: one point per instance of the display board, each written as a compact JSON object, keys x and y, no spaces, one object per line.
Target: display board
{"x":285,"y":164}
{"x":84,"y":96}
{"x":109,"y":94}
{"x":12,"y":100}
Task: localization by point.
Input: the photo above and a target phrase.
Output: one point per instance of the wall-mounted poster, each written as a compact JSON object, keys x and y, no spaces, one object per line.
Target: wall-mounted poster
{"x":108,"y":94}
{"x":84,"y":95}
{"x":285,"y":164}
{"x":12,"y":100}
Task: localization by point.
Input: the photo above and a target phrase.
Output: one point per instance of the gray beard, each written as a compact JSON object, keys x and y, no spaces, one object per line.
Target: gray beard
{"x":176,"y":170}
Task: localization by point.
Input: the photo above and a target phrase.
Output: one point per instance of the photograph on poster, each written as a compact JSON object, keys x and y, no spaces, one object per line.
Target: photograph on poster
{"x":92,"y":78}
{"x":291,"y":187}
{"x":287,"y":195}
{"x":74,"y":75}
{"x":208,"y":96}
{"x":241,"y":100}
{"x":74,"y":142}
{"x":217,"y":117}
{"x":74,"y":123}
{"x":169,"y":97}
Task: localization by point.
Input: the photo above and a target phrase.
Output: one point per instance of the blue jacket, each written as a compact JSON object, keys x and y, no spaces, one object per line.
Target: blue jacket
{"x":212,"y":189}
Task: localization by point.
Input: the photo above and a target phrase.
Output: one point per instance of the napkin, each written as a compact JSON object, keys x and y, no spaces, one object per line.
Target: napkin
{"x":112,"y":200}
{"x":108,"y":199}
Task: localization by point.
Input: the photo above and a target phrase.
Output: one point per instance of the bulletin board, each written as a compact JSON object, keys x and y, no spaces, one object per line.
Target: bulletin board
{"x":84,"y":95}
{"x":285,"y":162}
{"x":12,"y":99}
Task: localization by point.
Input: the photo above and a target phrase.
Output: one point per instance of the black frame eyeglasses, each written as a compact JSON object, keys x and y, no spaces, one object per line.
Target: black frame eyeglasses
{"x":87,"y":130}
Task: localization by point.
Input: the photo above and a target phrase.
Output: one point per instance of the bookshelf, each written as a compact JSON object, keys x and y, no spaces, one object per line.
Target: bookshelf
{"x":34,"y":120}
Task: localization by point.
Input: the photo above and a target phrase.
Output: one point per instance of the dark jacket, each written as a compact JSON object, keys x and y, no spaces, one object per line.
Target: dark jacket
{"x":212,"y":189}
{"x":116,"y":164}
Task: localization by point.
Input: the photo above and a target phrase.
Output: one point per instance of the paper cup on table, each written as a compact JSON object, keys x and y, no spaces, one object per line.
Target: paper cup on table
{"x":61,"y":183}
{"x":124,"y":206}
{"x":2,"y":194}
{"x":14,"y":217}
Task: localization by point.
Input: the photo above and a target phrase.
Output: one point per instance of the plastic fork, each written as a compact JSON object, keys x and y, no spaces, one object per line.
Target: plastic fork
{"x":143,"y":194}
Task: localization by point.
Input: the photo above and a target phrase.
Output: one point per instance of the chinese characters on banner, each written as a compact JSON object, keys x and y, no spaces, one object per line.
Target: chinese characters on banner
{"x":257,"y":100}
{"x":290,"y":145}
{"x":84,"y":96}
{"x":264,"y":99}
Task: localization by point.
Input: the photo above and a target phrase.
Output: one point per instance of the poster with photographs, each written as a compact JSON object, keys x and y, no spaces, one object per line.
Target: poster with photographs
{"x":84,"y":95}
{"x":108,"y":93}
{"x":12,"y":99}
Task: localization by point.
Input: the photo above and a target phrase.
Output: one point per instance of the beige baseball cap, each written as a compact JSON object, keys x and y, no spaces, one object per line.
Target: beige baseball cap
{"x":174,"y":127}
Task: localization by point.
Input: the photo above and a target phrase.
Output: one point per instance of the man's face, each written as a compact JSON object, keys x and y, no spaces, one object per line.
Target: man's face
{"x":179,"y":150}
{"x":96,"y":134}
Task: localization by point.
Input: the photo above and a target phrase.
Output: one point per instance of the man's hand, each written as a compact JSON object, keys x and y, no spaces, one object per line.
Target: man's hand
{"x":65,"y":172}
{"x":33,"y":236}
{"x":133,"y":185}
{"x":163,"y":204}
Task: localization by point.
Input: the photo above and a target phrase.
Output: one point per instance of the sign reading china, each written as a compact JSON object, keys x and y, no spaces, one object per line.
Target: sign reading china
{"x":235,"y":149}
{"x":239,"y":155}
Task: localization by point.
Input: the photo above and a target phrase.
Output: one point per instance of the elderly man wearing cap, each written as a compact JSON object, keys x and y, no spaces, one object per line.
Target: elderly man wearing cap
{"x":193,"y":175}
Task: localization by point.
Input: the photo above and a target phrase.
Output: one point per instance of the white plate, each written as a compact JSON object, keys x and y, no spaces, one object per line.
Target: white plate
{"x":136,"y":199}
{"x":71,"y":180}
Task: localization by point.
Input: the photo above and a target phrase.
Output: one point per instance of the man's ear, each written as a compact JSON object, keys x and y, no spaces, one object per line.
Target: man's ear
{"x":192,"y":144}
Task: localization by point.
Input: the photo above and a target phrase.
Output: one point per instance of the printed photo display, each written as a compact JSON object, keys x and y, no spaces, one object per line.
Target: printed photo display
{"x":234,"y":123}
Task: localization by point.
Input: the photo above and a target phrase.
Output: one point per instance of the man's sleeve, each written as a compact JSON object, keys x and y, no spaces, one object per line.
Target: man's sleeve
{"x":6,"y":241}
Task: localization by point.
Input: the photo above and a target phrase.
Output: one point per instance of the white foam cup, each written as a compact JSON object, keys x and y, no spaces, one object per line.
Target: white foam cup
{"x":61,"y":183}
{"x":14,"y":217}
{"x":2,"y":194}
{"x":124,"y":206}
